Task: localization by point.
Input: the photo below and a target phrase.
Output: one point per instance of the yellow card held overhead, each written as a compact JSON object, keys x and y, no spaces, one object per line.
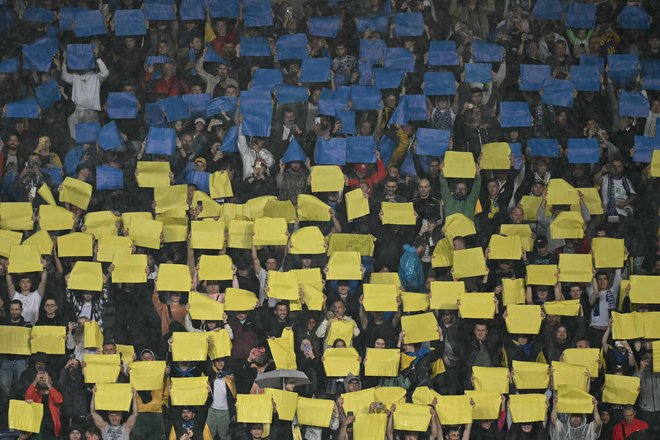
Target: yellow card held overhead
{"x":189,"y":391}
{"x":454,"y":410}
{"x":283,"y":285}
{"x":315,"y":412}
{"x":146,"y":233}
{"x":380,"y":298}
{"x":575,"y":268}
{"x":358,"y":401}
{"x":311,"y":208}
{"x":486,"y":404}
{"x":16,"y":216}
{"x":505,"y":248}
{"x":362,"y":243}
{"x":86,"y":275}
{"x":255,"y":206}
{"x":523,"y":319}
{"x":422,"y":327}
{"x":414,"y":302}
{"x":24,"y":416}
{"x":445,"y":294}
{"x":15,"y":340}
{"x":41,"y":241}
{"x":7,"y":240}
{"x":170,"y":198}
{"x":148,"y":375}
{"x":459,"y":225}
{"x":385,"y":278}
{"x":270,"y":232}
{"x":280,"y":209}
{"x":568,"y":224}
{"x":591,"y":199}
{"x":530,"y":375}
{"x":569,"y":307}
{"x":398,"y":213}
{"x":644,"y":289}
{"x":587,"y":357}
{"x":655,"y":164}
{"x":24,"y":258}
{"x":469,"y":263}
{"x":111,"y":246}
{"x":93,"y":338}
{"x":220,"y":185}
{"x":254,"y":408}
{"x":220,"y":344}
{"x":423,"y":395}
{"x":153,"y":174}
{"x":188,"y":346}
{"x":240,"y":234}
{"x":382,"y":362}
{"x":45,"y":193}
{"x":76,"y":192}
{"x":113,"y":396}
{"x":344,"y":265}
{"x":527,"y":408}
{"x":174,"y":229}
{"x":55,"y":218}
{"x":530,"y":206}
{"x":443,"y":255}
{"x":327,"y":178}
{"x":173,"y":277}
{"x":626,"y":326}
{"x":203,"y":307}
{"x":491,"y":379}
{"x":495,"y":156}
{"x":102,"y":223}
{"x":282,"y":351}
{"x":340,"y":329}
{"x":215,"y":268}
{"x":569,"y":375}
{"x":513,"y":291}
{"x":75,"y":244}
{"x":48,"y":339}
{"x":239,"y":300}
{"x":370,"y":426}
{"x":412,"y":417}
{"x":357,"y":204}
{"x":477,"y":305}
{"x":524,"y":231}
{"x":572,"y":400}
{"x":338,"y":362}
{"x":542,"y":274}
{"x":561,"y":192}
{"x":459,"y":164}
{"x":621,"y":390}
{"x":608,"y":252}
{"x":307,"y":240}
{"x":207,"y":234}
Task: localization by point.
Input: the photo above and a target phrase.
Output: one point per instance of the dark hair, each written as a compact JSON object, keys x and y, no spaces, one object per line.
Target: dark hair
{"x":601,"y":273}
{"x":16,"y":301}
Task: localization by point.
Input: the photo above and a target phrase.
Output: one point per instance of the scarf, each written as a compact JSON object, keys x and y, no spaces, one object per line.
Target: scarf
{"x":493,"y":209}
{"x":190,"y":424}
{"x":611,"y":203}
{"x":419,"y":354}
{"x":184,"y":373}
{"x":609,"y":296}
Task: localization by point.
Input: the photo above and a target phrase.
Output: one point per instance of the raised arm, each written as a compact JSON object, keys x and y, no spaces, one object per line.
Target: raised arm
{"x":41,"y":289}
{"x":96,"y":418}
{"x":130,"y":422}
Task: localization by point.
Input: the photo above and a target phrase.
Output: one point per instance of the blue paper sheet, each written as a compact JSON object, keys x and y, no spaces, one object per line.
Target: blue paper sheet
{"x":548,"y":9}
{"x":375,"y":22}
{"x":365,"y":98}
{"x":267,"y":78}
{"x":416,"y":107}
{"x":154,"y":116}
{"x":542,"y":147}
{"x":161,"y":141}
{"x":634,"y":17}
{"x":315,"y":70}
{"x":90,"y":23}
{"x":129,"y":22}
{"x":515,"y":114}
{"x":110,"y":137}
{"x":224,"y":8}
{"x":255,"y":47}
{"x":38,"y":15}
{"x":558,"y":92}
{"x":68,"y":17}
{"x":443,"y":53}
{"x":109,"y":178}
{"x":25,"y":108}
{"x":324,"y":26}
{"x":644,"y":147}
{"x":432,"y":142}
{"x":585,"y":78}
{"x":347,"y":118}
{"x":197,"y":103}
{"x":80,"y":57}
{"x":332,"y":100}
{"x":439,"y":83}
{"x":410,"y":24}
{"x":287,"y":94}
{"x":294,"y":152}
{"x":257,"y":111}
{"x":633,"y":104}
{"x":159,"y":10}
{"x":479,"y":73}
{"x":580,"y":15}
{"x":175,"y":108}
{"x":387,"y":78}
{"x":291,"y":47}
{"x":532,"y":76}
{"x":9,"y":66}
{"x":360,"y":149}
{"x":192,"y":10}
{"x":583,"y":150}
{"x":486,"y":52}
{"x":330,"y":152}
{"x":257,"y":13}
{"x":87,"y":132}
{"x":399,"y":58}
{"x":39,"y":55}
{"x":200,"y":179}
{"x":372,"y":50}
{"x":217,"y":105}
{"x":230,"y":142}
{"x":48,"y":94}
{"x":122,"y":105}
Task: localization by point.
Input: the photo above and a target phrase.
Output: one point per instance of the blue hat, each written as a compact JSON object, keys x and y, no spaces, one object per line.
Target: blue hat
{"x":122,"y":105}
{"x":439,"y":83}
{"x":87,"y":132}
{"x":443,"y":53}
{"x":372,"y":50}
{"x":399,"y":58}
{"x":25,"y":108}
{"x":332,"y":100}
{"x":375,"y":22}
{"x":330,"y":151}
{"x":230,"y":142}
{"x":634,"y":17}
{"x":220,"y":104}
{"x":257,"y":111}
{"x":548,"y":9}
{"x":515,"y":114}
{"x":633,"y":104}
{"x":48,"y":94}
{"x":432,"y":142}
{"x":347,"y":119}
{"x":583,"y":150}
{"x":585,"y":78}
{"x":197,"y":103}
{"x":315,"y":70}
{"x":479,"y":73}
{"x":110,"y":136}
{"x":161,"y":141}
{"x":9,"y":66}
{"x":410,"y":24}
{"x":287,"y":94}
{"x":129,"y":22}
{"x":291,"y":47}
{"x":38,"y":15}
{"x":558,"y":92}
{"x":323,"y":26}
{"x":387,"y":78}
{"x":175,"y":108}
{"x":80,"y":57}
{"x":89,"y":23}
{"x":486,"y":52}
{"x":365,"y":98}
{"x":159,"y":10}
{"x":109,"y":178}
{"x":39,"y":55}
{"x":224,"y":8}
{"x":360,"y":149}
{"x":192,"y":10}
{"x":294,"y":152}
{"x":580,"y":15}
{"x":257,"y":13}
{"x":532,"y":76}
{"x":255,"y":47}
{"x":538,"y":147}
{"x":644,"y":147}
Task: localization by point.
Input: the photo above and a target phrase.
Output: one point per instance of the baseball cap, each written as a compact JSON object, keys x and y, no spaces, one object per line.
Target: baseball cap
{"x":541,"y":241}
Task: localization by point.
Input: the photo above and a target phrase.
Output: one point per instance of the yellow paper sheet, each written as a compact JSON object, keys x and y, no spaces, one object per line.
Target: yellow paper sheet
{"x":187,"y":346}
{"x":423,"y":395}
{"x":569,"y":375}
{"x":189,"y":391}
{"x":477,"y":305}
{"x":207,"y":234}
{"x":231,"y":211}
{"x":458,"y":225}
{"x":505,"y":248}
{"x":621,"y":390}
{"x":24,"y":258}
{"x":575,"y":268}
{"x":414,"y":302}
{"x":41,"y":241}
{"x":254,"y":408}
{"x":327,"y":178}
{"x":370,"y":426}
{"x":55,"y":218}
{"x":146,"y":233}
{"x":210,"y":208}
{"x":93,"y":336}
{"x":147,"y":375}
{"x":357,"y":204}
{"x":656,"y":356}
{"x":220,"y":344}
{"x":113,"y":396}
{"x":469,"y":263}
{"x":495,"y":156}
{"x":380,"y":298}
{"x":513,"y":291}
{"x":358,"y":402}
{"x":443,"y":255}
{"x":130,"y":269}
{"x":344,"y":265}
{"x":530,"y":375}
{"x":561,"y":192}
{"x":542,"y":274}
{"x":76,"y":192}
{"x":362,"y":243}
{"x":255,"y":206}
{"x":311,"y":208}
{"x":486,"y":404}
{"x":315,"y":412}
{"x":587,"y":357}
{"x":308,"y":240}
{"x":608,"y":252}
{"x":25,"y":416}
{"x":338,"y":362}
{"x":270,"y":232}
{"x":644,"y":289}
{"x":524,"y":231}
{"x":626,"y":326}
{"x":282,"y":351}
{"x":15,"y":340}
{"x":340,"y":329}
{"x":7,"y":240}
{"x":203,"y":307}
{"x":389,"y":395}
{"x":459,"y":164}
{"x":238,"y":300}
{"x":650,"y":323}
{"x":385,"y":278}
{"x":568,"y":224}
{"x":126,"y":352}
{"x":240,"y":234}
{"x":491,"y":379}
{"x":16,"y":216}
{"x":382,"y":362}
{"x":313,"y":296}
{"x":215,"y":267}
{"x":280,"y":209}
{"x":283,"y":285}
{"x":527,"y":408}
{"x":220,"y":185}
{"x":153,"y":174}
{"x":412,"y":417}
{"x":109,"y":247}
{"x":101,"y":373}
{"x":309,"y":276}
{"x":48,"y":339}
{"x":569,"y":307}
{"x":101,"y":223}
{"x":523,"y":319}
{"x":530,"y":206}
{"x":574,"y":401}
{"x":128,"y":217}
{"x":422,"y":327}
{"x":45,"y":193}
{"x":75,"y":244}
{"x":174,"y":229}
{"x":170,"y":198}
{"x":86,"y":275}
{"x":592,"y":200}
{"x":398,"y":213}
{"x":286,"y":402}
{"x":445,"y":294}
{"x":454,"y":410}
{"x":173,"y":277}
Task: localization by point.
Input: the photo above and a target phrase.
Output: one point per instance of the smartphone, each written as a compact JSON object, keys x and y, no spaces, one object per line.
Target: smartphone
{"x":199,"y":203}
{"x":349,"y":414}
{"x":317,"y":120}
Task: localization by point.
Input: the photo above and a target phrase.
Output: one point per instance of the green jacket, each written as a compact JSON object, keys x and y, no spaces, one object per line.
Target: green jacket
{"x":465,"y":207}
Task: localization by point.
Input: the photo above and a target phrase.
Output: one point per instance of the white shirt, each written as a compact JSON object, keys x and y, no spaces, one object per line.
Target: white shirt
{"x":86,"y":87}
{"x":220,"y":395}
{"x":31,"y":303}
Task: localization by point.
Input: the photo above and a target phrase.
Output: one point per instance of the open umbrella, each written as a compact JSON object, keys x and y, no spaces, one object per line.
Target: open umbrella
{"x":277,"y":378}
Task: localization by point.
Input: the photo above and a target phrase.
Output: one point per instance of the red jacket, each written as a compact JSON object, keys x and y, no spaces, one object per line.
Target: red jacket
{"x":622,"y":430}
{"x":54,"y":403}
{"x":372,"y":180}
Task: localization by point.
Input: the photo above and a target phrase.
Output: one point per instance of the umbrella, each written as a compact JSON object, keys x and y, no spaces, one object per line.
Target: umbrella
{"x":276,"y":378}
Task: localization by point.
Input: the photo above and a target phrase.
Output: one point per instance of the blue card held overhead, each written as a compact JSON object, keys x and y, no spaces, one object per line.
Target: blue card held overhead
{"x":633,"y":104}
{"x":375,"y":22}
{"x":409,"y":24}
{"x":110,"y":137}
{"x":387,"y":78}
{"x":56,"y":176}
{"x":558,"y":92}
{"x":583,"y":150}
{"x":548,"y":10}
{"x":416,"y":107}
{"x":154,"y":116}
{"x":386,"y":146}
{"x":109,"y":178}
{"x":257,"y":111}
{"x":486,"y":52}
{"x":585,"y":78}
{"x":224,"y":8}
{"x":330,"y":151}
{"x":175,"y":108}
{"x":162,"y":10}
{"x":315,"y":70}
{"x":157,"y":59}
{"x":197,"y":102}
{"x":439,"y":83}
{"x":39,"y":55}
{"x":25,"y":108}
{"x":268,"y":78}
{"x":287,"y":94}
{"x":200,"y":179}
{"x":365,"y":98}
{"x":360,"y":149}
{"x":255,"y":47}
{"x":651,"y":82}
{"x":87,"y":132}
{"x":532,"y":77}
{"x":192,"y":10}
{"x":650,"y":66}
{"x":408,"y":166}
{"x":622,"y":68}
{"x":161,"y":141}
{"x":516,"y":154}
{"x":541,"y":147}
{"x":515,"y":114}
{"x":347,"y":119}
{"x":68,"y":17}
{"x":80,"y":57}
{"x":400,"y":116}
{"x":399,"y":58}
{"x":372,"y":50}
{"x":48,"y":94}
{"x":634,"y":17}
{"x":294,"y":152}
{"x":593,"y":60}
{"x":122,"y":105}
{"x":220,"y":104}
{"x":89,"y":23}
{"x":38,"y":15}
{"x":257,"y":13}
{"x":291,"y":47}
{"x":129,"y":22}
{"x":432,"y":142}
{"x":644,"y":147}
{"x":9,"y":66}
{"x":366,"y":71}
{"x":230,"y":142}
{"x":479,"y":73}
{"x":443,"y":53}
{"x":324,"y":26}
{"x":580,"y":15}
{"x":332,"y":100}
